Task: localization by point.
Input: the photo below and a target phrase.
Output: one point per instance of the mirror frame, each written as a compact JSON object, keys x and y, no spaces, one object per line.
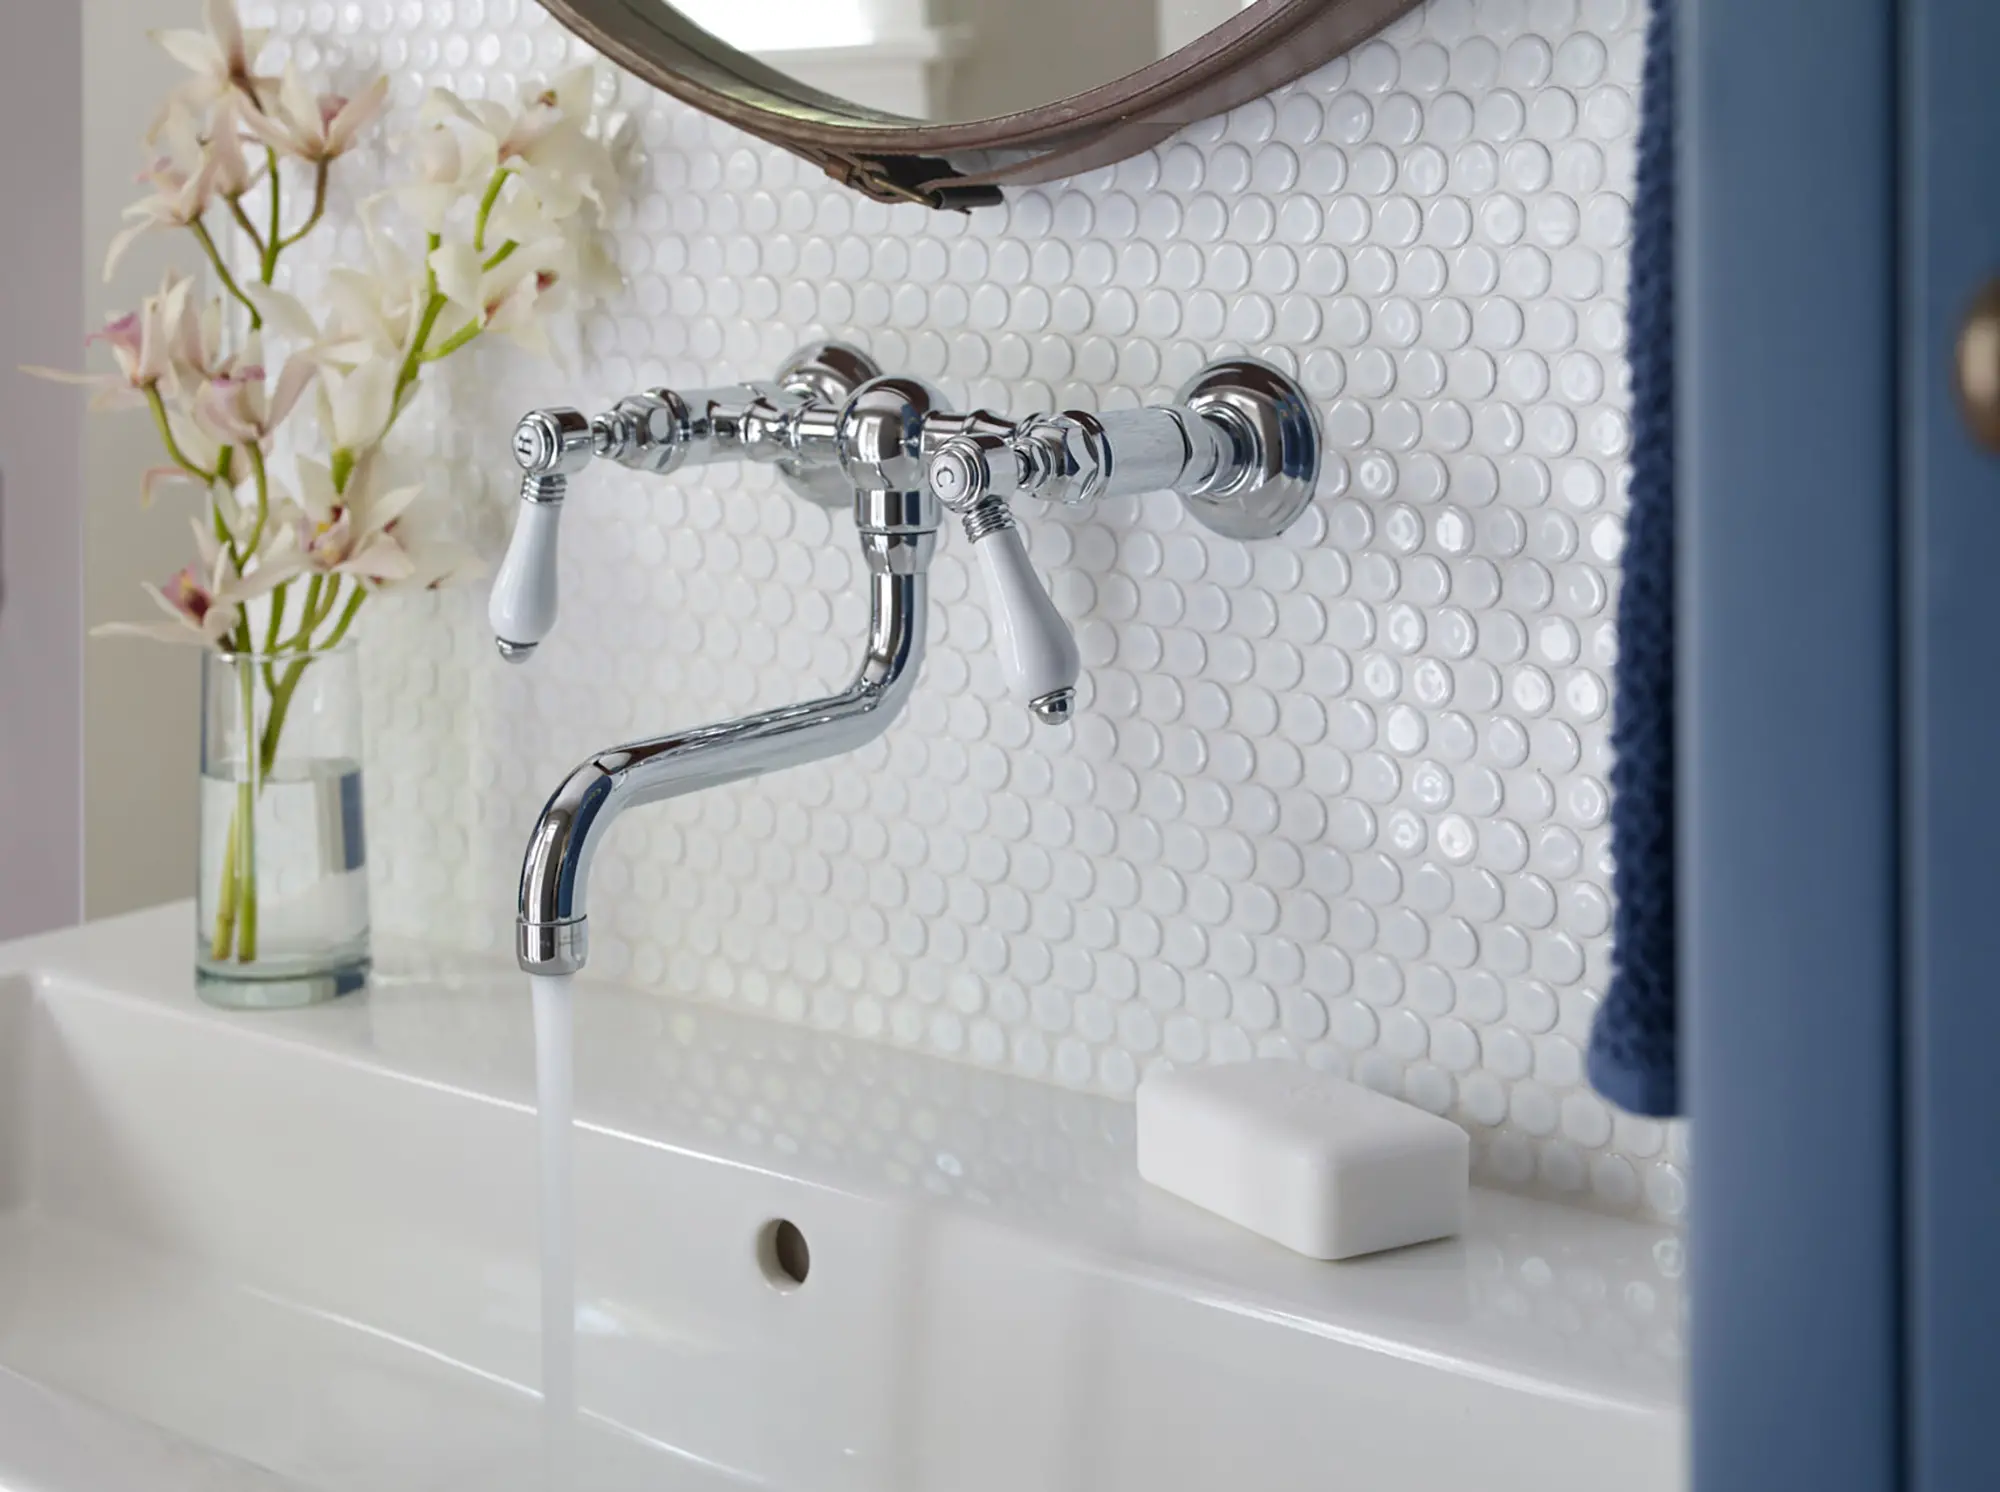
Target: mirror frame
{"x":961,"y":166}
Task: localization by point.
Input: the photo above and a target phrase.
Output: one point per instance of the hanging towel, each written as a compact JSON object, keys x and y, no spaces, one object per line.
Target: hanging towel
{"x":1634,"y":1050}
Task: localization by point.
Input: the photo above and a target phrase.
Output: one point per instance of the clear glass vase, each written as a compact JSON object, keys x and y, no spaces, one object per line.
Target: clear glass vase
{"x":282,"y":913}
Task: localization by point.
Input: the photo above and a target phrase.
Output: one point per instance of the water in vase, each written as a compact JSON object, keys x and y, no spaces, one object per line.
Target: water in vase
{"x":309,"y":851}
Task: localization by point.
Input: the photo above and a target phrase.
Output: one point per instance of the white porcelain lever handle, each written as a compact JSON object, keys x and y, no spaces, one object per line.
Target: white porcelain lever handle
{"x":522,"y":608}
{"x":551,"y":445}
{"x":1037,"y":649}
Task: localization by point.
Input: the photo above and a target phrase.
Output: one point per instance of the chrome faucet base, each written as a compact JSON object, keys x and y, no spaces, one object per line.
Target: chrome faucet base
{"x":1276,"y":441}
{"x":829,"y":374}
{"x":1241,"y":447}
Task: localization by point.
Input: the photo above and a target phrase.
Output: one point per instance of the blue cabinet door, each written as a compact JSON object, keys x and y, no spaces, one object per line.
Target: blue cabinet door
{"x":1951,"y":694}
{"x":1840,"y":610}
{"x":1790,"y":745}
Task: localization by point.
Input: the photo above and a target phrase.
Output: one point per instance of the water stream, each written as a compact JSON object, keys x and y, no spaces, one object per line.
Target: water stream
{"x":555,"y":1082}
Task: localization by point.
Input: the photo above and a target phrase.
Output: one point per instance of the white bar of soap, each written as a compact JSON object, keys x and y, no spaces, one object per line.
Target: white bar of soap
{"x":1319,"y":1164}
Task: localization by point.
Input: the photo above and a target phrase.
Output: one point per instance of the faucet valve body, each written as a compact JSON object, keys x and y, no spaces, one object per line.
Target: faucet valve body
{"x":1240,"y":447}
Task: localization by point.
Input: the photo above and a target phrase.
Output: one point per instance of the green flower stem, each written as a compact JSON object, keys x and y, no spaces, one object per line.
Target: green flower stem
{"x":270,"y":246}
{"x":320,"y":602}
{"x":307,"y":618}
{"x":246,"y":811}
{"x":453,"y":342}
{"x":346,"y":617}
{"x":281,"y":704}
{"x":318,"y":208}
{"x":275,"y":623}
{"x":413,"y":360}
{"x":200,"y":230}
{"x":173,"y":446}
{"x":434,"y":304}
{"x":263,"y":502}
{"x":243,"y":222}
{"x":222,"y":941}
{"x":501,"y":255}
{"x":236,"y":907}
{"x":486,"y":206}
{"x":342,"y":467}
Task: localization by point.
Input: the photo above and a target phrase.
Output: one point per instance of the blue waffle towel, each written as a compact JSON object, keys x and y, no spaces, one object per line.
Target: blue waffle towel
{"x":1634,"y":1046}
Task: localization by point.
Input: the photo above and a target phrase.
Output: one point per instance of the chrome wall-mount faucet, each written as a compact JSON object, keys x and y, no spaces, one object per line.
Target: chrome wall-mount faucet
{"x":1240,"y":446}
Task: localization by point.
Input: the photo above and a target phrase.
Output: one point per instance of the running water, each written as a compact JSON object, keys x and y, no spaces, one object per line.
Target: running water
{"x":555,"y":1081}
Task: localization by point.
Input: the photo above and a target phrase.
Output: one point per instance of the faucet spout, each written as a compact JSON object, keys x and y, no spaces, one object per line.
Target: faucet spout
{"x":552,"y":931}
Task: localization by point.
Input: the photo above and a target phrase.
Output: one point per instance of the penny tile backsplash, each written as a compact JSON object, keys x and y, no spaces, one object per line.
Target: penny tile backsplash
{"x":1341,"y":796}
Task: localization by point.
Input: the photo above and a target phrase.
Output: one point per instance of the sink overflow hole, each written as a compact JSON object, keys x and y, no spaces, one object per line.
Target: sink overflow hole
{"x":783,"y":1255}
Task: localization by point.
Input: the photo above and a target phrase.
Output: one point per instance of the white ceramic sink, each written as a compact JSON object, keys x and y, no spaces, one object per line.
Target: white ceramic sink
{"x":298,"y":1250}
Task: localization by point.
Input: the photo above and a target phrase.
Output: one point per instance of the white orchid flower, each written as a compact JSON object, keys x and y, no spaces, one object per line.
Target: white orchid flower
{"x":222,"y":144}
{"x":547,"y":144}
{"x":373,"y":308}
{"x":204,"y":602}
{"x":446,"y":174}
{"x":142,"y":345}
{"x":357,"y":404}
{"x":240,"y":406}
{"x":502,"y":297}
{"x":222,"y":56}
{"x":196,"y":348}
{"x":286,"y":316}
{"x":351,"y":532}
{"x":187,"y":175}
{"x":437,"y":559}
{"x":315,"y":128}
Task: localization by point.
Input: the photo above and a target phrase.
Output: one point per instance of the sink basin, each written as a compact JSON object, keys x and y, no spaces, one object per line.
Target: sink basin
{"x":298,"y":1249}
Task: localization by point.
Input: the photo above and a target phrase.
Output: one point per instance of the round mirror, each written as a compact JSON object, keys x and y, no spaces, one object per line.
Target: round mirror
{"x":942,"y":101}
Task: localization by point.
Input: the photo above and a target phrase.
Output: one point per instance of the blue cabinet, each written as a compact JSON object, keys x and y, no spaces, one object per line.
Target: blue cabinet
{"x":1840,"y":717}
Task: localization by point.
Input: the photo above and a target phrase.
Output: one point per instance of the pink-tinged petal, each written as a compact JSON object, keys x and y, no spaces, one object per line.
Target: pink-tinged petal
{"x":271,"y":130}
{"x":223,"y":24}
{"x":355,"y":115}
{"x":214,"y":559}
{"x":297,"y":376}
{"x":272,"y":571}
{"x":122,"y":242}
{"x":219,"y":623}
{"x":152,"y":631}
{"x":218,"y":409}
{"x":123,"y":332}
{"x":379,"y":558}
{"x":334,"y":543}
{"x":63,"y":375}
{"x":184,"y":598}
{"x":115,"y":394}
{"x":150,"y":480}
{"x":226,"y":27}
{"x":225,"y":167}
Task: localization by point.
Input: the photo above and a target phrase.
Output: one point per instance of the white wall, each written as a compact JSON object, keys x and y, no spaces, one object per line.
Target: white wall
{"x":41,"y":310}
{"x":140,"y":698}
